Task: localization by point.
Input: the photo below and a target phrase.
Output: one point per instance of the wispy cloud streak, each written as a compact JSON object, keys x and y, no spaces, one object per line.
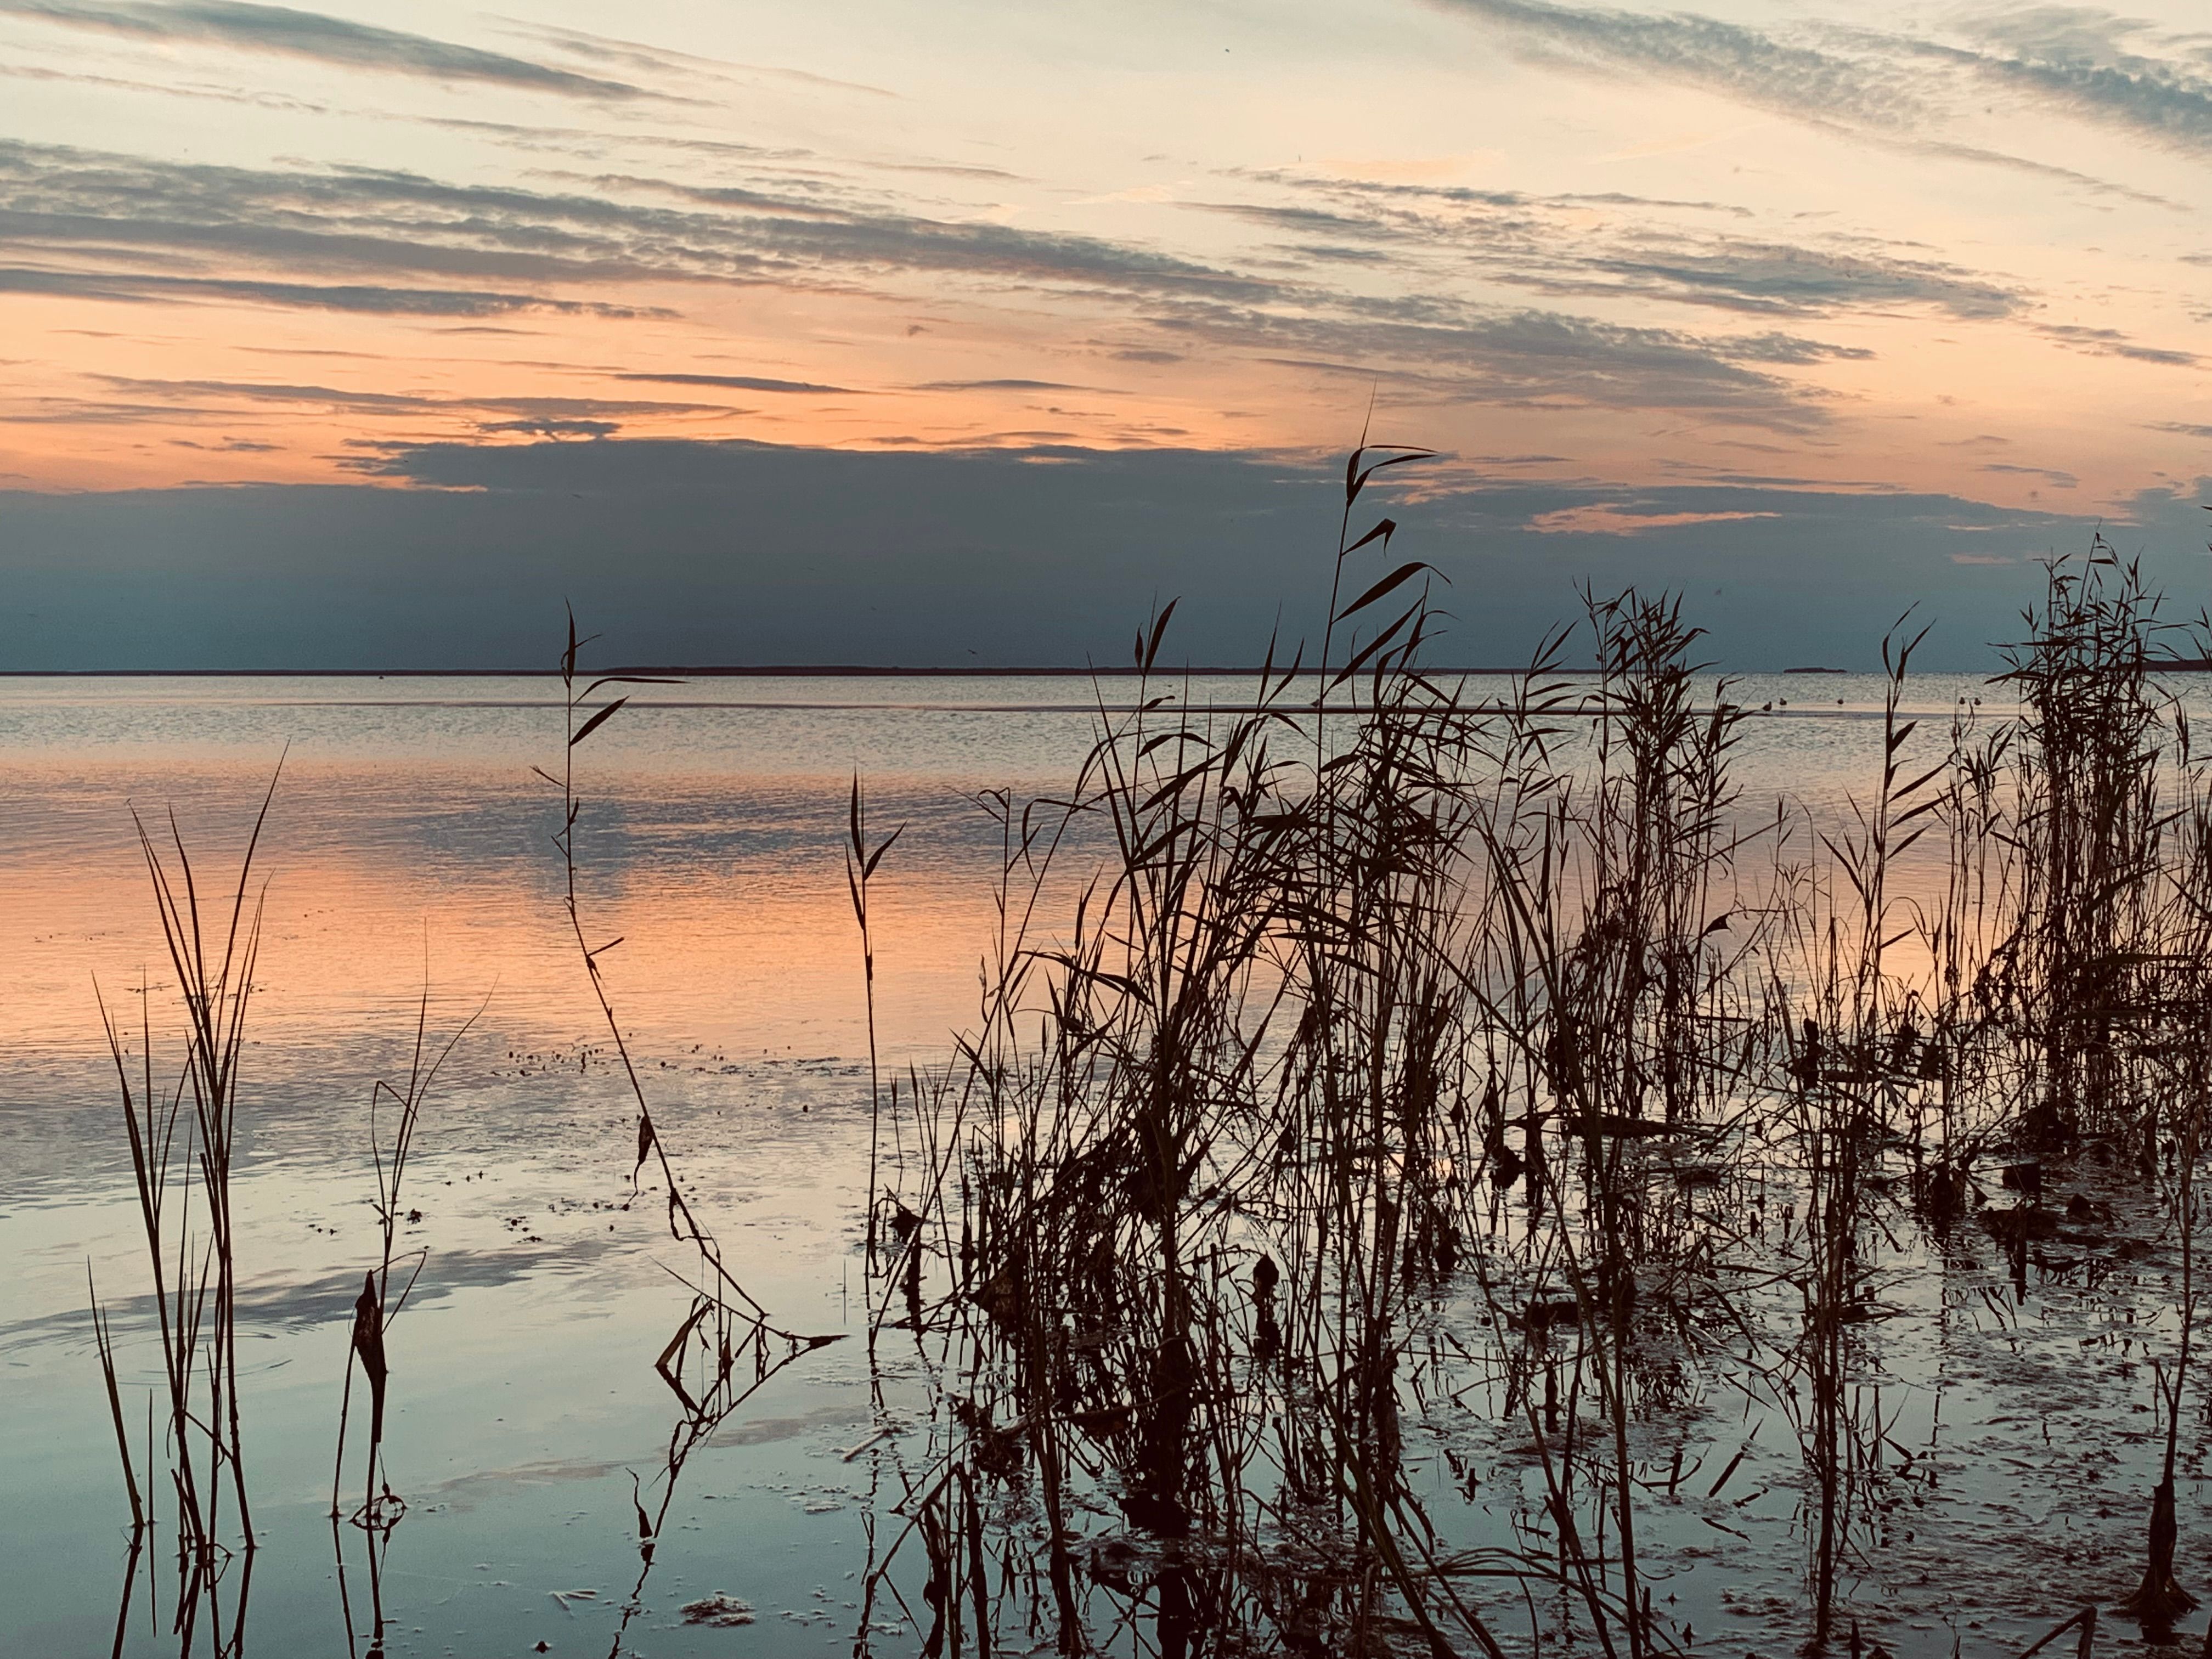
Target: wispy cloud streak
{"x":1901,"y":87}
{"x":407,"y":244}
{"x":332,"y":40}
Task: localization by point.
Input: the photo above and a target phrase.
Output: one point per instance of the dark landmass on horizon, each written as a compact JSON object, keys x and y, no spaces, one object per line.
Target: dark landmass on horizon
{"x":805,"y":671}
{"x":732,"y":553}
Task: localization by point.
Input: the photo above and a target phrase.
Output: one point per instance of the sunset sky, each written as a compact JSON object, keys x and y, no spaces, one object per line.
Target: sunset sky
{"x":965,"y":333}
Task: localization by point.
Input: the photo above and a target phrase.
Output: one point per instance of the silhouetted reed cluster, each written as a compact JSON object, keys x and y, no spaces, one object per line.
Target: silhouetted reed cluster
{"x":1357,"y":1055}
{"x":181,"y":1121}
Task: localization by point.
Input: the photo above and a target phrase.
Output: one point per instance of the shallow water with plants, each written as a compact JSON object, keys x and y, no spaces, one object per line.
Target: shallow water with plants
{"x":1592,"y":1160}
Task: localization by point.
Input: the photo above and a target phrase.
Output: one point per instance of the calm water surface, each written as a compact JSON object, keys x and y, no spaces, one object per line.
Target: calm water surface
{"x":408,"y":838}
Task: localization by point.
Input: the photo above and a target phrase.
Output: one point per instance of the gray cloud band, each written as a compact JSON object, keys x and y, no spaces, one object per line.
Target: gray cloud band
{"x":2077,"y":58}
{"x":407,"y":244}
{"x":312,"y":35}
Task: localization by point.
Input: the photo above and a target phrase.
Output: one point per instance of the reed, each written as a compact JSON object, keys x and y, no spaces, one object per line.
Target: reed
{"x":1344,"y":1052}
{"x":2091,"y":822}
{"x":860,"y":861}
{"x":104,"y":1340}
{"x":377,"y":1308}
{"x":212,"y":944}
{"x":726,"y":1347}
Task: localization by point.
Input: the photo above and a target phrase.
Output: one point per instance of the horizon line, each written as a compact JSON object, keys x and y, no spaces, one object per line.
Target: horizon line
{"x":770,"y":670}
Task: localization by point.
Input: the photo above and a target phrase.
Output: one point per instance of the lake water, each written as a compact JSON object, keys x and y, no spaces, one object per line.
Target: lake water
{"x":409,"y":837}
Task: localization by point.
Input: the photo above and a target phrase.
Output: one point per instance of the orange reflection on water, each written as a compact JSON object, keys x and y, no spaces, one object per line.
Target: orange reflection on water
{"x":740,"y":948}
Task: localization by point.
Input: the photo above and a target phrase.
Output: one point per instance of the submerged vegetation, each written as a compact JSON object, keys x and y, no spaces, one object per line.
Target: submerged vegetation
{"x":1378,"y":1089}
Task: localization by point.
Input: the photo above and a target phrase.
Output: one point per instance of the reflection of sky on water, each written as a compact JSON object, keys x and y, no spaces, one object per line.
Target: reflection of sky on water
{"x":522,"y":1366}
{"x":713,"y":843}
{"x":712,"y":840}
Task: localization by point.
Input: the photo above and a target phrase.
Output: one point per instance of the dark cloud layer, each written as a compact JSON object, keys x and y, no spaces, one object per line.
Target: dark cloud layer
{"x":145,"y":288}
{"x":1001,"y":385}
{"x":742,"y":552}
{"x":372,"y":240}
{"x":2111,"y":343}
{"x":1639,"y":248}
{"x":1533,"y":358}
{"x":334,"y":41}
{"x":740,"y":382}
{"x":392,"y":224}
{"x":2081,"y":60}
{"x":1728,"y":58}
{"x":138,"y":402}
{"x":2089,"y":63}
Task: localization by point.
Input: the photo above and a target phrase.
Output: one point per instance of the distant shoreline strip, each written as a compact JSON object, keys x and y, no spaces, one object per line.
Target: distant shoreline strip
{"x":818,"y":670}
{"x":1585,"y":711}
